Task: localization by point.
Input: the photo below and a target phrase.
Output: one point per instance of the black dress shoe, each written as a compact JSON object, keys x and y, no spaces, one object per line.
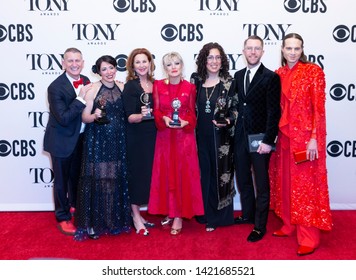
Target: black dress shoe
{"x":93,"y":236}
{"x":255,"y":235}
{"x":240,"y":220}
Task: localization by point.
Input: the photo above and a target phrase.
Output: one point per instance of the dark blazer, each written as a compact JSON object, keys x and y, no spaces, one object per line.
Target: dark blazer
{"x":65,"y":117}
{"x":258,"y":110}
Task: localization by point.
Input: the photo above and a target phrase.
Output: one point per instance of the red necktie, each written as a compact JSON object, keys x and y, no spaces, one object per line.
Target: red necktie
{"x":77,"y":83}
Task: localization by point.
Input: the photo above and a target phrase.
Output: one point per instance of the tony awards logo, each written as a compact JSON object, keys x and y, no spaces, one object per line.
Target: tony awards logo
{"x":103,"y":119}
{"x":221,"y":110}
{"x":145,"y":100}
{"x":176,"y":104}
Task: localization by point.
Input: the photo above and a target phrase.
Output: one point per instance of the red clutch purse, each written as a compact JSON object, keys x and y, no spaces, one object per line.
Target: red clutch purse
{"x":300,"y":157}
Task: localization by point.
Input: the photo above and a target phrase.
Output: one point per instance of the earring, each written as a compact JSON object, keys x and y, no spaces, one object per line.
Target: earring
{"x":166,"y":81}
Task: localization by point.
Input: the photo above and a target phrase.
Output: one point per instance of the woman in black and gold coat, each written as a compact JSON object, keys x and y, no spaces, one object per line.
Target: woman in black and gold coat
{"x":215,"y":140}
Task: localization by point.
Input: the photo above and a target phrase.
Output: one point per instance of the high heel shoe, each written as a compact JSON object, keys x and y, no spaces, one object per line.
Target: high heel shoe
{"x":140,"y":228}
{"x":176,"y":228}
{"x":210,"y":228}
{"x":176,"y":231}
{"x":143,"y":231}
{"x":166,"y":221}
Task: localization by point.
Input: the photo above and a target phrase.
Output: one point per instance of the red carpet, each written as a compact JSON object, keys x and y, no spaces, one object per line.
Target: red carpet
{"x":33,"y":235}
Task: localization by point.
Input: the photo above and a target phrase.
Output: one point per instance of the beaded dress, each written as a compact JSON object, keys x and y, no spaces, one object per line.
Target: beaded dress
{"x":103,"y":201}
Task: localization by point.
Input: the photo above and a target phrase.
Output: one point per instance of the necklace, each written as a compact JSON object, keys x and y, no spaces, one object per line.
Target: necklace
{"x":145,"y":85}
{"x":207,"y":103}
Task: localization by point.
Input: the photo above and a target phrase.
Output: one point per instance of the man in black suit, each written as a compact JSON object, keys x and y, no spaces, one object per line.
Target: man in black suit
{"x":63,"y":138}
{"x":258,"y":112}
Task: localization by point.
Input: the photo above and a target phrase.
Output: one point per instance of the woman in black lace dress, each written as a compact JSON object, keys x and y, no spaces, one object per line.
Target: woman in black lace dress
{"x":103,"y":202}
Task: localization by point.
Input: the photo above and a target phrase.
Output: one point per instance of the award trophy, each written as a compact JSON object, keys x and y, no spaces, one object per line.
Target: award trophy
{"x":175,"y":116}
{"x":103,"y":119}
{"x":221,"y":106}
{"x":145,"y":100}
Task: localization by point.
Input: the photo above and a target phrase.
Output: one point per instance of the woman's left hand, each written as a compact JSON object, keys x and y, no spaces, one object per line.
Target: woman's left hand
{"x":312,"y":149}
{"x":183,"y":123}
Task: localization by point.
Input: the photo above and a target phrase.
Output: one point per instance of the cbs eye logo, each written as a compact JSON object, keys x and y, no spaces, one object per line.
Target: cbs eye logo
{"x":306,"y":6}
{"x":16,"y":33}
{"x":142,"y":6}
{"x":5,"y":148}
{"x":342,"y":33}
{"x":169,"y":32}
{"x":17,"y":91}
{"x":121,"y":6}
{"x":339,"y":92}
{"x":121,"y":62}
{"x":18,"y":148}
{"x":4,"y":91}
{"x":336,"y":149}
{"x":184,"y":32}
{"x":292,"y":6}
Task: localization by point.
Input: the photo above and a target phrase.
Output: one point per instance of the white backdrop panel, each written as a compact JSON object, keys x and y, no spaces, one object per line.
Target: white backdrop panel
{"x":35,"y":33}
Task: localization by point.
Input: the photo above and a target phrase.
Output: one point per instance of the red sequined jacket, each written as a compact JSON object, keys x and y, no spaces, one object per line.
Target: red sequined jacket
{"x":303,"y":116}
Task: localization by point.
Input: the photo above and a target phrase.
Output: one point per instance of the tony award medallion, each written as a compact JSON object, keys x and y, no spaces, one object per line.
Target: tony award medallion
{"x":221,"y":106}
{"x":103,"y":119}
{"x":175,"y":116}
{"x":145,"y":100}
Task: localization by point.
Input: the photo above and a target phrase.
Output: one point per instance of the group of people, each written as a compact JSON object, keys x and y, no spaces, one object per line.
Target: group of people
{"x":177,"y":145}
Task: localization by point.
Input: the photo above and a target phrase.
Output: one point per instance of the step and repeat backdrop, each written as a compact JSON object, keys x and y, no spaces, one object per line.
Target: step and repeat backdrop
{"x":35,"y":33}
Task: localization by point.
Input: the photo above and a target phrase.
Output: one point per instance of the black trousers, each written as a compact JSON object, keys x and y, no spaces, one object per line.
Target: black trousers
{"x":66,"y":177}
{"x":253,"y":183}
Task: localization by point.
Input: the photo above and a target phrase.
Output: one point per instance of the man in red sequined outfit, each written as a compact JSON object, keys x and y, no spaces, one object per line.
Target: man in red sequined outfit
{"x":299,"y":191}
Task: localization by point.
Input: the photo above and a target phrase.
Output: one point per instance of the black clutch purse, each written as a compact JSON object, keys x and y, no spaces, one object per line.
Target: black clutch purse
{"x":254,"y":140}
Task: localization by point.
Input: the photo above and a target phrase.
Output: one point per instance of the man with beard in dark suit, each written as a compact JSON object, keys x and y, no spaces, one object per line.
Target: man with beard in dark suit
{"x":258,"y":90}
{"x":63,"y":138}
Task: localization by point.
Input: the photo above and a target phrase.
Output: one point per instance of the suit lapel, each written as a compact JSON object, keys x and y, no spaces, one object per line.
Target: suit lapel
{"x":240,"y":84}
{"x":68,"y":87}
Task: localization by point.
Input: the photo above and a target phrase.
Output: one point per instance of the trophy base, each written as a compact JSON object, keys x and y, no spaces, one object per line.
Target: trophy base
{"x":102,"y":121}
{"x":221,"y":121}
{"x":175,"y":124}
{"x":146,"y":118}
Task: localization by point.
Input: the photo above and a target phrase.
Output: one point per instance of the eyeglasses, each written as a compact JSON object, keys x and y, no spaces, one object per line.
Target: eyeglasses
{"x":211,"y":58}
{"x":256,"y":49}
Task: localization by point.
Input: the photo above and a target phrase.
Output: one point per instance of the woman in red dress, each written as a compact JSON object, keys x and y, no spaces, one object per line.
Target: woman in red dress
{"x":175,"y":185}
{"x":299,"y":191}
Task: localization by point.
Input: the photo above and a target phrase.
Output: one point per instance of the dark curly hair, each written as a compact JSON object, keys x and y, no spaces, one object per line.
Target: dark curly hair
{"x":203,"y":57}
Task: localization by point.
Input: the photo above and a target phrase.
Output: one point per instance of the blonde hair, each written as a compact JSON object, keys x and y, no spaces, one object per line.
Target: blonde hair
{"x":170,"y":57}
